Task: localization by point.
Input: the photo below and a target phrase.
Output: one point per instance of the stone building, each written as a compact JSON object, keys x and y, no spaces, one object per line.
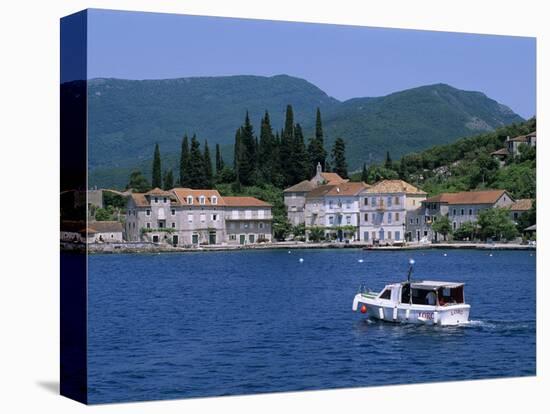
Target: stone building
{"x":91,"y":232}
{"x":295,"y":196}
{"x":188,"y":217}
{"x":520,"y":207}
{"x":335,"y":207}
{"x":383,"y":210}
{"x":459,"y":207}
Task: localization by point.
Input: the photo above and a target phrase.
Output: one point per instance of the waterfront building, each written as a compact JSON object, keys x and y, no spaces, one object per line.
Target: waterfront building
{"x":383,"y":210}
{"x":459,"y":207}
{"x":91,"y":232}
{"x":295,"y":196}
{"x":519,"y":207}
{"x":189,"y":217}
{"x":335,"y":208}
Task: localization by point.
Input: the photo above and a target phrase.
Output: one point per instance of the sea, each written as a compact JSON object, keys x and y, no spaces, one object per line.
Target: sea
{"x":200,"y":324}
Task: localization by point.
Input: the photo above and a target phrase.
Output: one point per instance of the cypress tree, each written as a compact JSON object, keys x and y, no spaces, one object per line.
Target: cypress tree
{"x":156,"y":180}
{"x":388,"y":164}
{"x":286,"y":148}
{"x":219,"y":159}
{"x":316,"y":147}
{"x":208,"y":175}
{"x":300,"y":158}
{"x":237,"y":149}
{"x":168,"y":180}
{"x":364,"y":173}
{"x":339,"y":158}
{"x":247,"y":153}
{"x":184,"y":162}
{"x":266,"y":150}
{"x":197,"y":177}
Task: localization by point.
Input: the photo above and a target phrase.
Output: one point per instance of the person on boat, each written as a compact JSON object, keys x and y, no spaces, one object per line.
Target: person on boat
{"x":431,"y":298}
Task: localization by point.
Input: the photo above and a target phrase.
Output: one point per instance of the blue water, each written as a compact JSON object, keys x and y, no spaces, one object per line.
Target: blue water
{"x":221,"y":323}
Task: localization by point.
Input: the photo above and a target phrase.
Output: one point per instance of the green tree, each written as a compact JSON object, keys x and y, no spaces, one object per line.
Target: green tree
{"x":340,"y":165}
{"x":184,"y":162}
{"x":316,"y":147}
{"x":528,"y":218}
{"x":219,"y":160}
{"x":388,"y":163}
{"x":495,"y":223}
{"x":287,"y":148}
{"x":300,"y":170}
{"x":102,"y":214}
{"x":442,"y":226}
{"x":467,"y":231}
{"x":168,"y":180}
{"x":208,"y":174}
{"x":246,"y":154}
{"x":267,"y":158}
{"x":316,"y":233}
{"x":197,"y":178}
{"x":364,"y":174}
{"x":156,"y":180}
{"x":138,"y":182}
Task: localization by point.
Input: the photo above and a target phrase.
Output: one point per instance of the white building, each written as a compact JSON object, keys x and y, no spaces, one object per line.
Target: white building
{"x":383,"y":210}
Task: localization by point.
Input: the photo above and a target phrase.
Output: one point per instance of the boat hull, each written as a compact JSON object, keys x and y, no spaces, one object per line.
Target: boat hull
{"x":448,"y":315}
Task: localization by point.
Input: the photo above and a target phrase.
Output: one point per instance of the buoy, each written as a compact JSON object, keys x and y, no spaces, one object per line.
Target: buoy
{"x":301,"y":260}
{"x":360,"y":260}
{"x":445,"y":254}
{"x":490,"y":254}
{"x":289,"y":252}
{"x":363,"y":309}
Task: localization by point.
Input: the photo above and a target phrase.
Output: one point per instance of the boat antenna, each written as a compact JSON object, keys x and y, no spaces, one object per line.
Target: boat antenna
{"x":411,"y":263}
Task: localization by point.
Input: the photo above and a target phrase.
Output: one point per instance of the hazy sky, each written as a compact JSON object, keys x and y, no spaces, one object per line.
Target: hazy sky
{"x":344,"y":61}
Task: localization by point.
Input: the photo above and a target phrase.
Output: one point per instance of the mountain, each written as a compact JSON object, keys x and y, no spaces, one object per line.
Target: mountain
{"x":127,"y":117}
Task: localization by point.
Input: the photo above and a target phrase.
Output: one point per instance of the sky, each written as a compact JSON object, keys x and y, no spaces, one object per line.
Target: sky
{"x":344,"y":61}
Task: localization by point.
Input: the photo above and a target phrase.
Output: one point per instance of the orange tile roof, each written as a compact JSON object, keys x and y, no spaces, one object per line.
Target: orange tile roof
{"x":521,"y":138}
{"x":158,"y":192}
{"x":104,"y":227}
{"x":332,"y":178}
{"x":183,"y":193}
{"x":245,"y":202}
{"x":502,"y":151}
{"x":347,"y":189}
{"x":469,"y":197}
{"x":139,"y":199}
{"x":302,"y":186}
{"x":394,"y":186}
{"x":320,"y":191}
{"x":523,"y":204}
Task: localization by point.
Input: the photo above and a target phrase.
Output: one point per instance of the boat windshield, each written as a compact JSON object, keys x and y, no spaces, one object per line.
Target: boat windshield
{"x":442,"y":296}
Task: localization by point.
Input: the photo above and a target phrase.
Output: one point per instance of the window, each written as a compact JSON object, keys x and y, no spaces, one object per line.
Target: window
{"x":156,"y":200}
{"x":203,"y":218}
{"x":367,"y":217}
{"x":414,"y":202}
{"x":471,"y":212}
{"x":173,"y":211}
{"x":454,"y":211}
{"x":516,"y":215}
{"x":348,"y":219}
{"x":397,"y":235}
{"x":247,"y":214}
{"x":202,"y":200}
{"x":164,"y":200}
{"x":386,"y":294}
{"x":148,"y":212}
{"x":261,"y":225}
{"x":411,"y":221}
{"x":189,"y":199}
{"x":366,"y":236}
{"x":148,"y":225}
{"x":190,"y":218}
{"x":214,"y":217}
{"x":232,"y":237}
{"x":214,"y":200}
{"x":396,"y":216}
{"x":389,"y":218}
{"x":331,"y":220}
{"x":161,"y":224}
{"x":396,"y":200}
{"x":366,"y":201}
{"x":261,"y":214}
{"x":373,"y":235}
{"x":173,"y":225}
{"x":389,"y":235}
{"x":417,"y":221}
{"x":348,"y":204}
{"x":373,"y":201}
{"x":389,"y":201}
{"x":461,"y":211}
{"x":454,"y":225}
{"x":330,"y":204}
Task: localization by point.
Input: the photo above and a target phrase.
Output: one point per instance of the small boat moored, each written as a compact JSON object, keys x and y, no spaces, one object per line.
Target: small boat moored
{"x":422,"y":302}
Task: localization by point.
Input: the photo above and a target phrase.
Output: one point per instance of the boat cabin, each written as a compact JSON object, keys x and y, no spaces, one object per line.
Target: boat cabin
{"x":426,"y":292}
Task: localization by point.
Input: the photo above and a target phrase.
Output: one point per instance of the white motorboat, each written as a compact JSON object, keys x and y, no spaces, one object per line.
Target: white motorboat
{"x":422,"y":302}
